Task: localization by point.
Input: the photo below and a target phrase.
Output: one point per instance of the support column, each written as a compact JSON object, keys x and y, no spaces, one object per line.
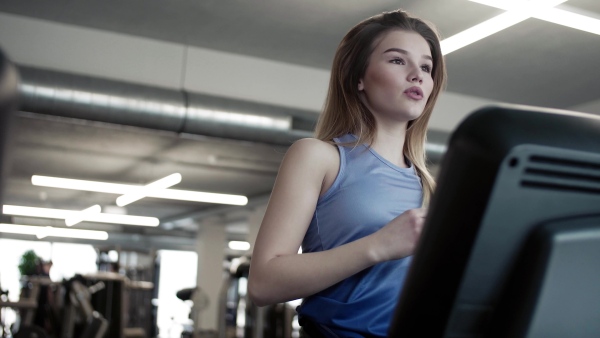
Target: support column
{"x":254,"y":220}
{"x":210,"y":246}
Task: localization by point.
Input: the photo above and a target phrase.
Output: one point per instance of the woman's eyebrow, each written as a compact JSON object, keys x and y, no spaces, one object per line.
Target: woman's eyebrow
{"x":405,"y":52}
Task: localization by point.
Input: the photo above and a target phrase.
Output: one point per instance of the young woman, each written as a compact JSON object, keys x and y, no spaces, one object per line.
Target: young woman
{"x":353,"y":196}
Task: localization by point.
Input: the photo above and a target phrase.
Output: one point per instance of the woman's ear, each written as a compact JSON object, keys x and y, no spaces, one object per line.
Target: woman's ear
{"x":361,"y":86}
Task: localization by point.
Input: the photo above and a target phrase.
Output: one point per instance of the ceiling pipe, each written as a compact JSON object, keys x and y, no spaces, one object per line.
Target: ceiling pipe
{"x":82,"y":97}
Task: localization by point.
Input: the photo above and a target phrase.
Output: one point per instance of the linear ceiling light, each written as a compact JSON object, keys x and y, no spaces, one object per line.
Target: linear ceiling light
{"x":570,"y":19}
{"x":150,"y":188}
{"x":94,"y":209}
{"x":516,"y":14}
{"x":90,"y":217}
{"x":121,"y":189}
{"x":554,"y":15}
{"x":238,"y":245}
{"x":41,"y":232}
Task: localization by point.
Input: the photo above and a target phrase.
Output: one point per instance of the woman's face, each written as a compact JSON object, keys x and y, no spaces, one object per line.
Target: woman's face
{"x":398,"y":79}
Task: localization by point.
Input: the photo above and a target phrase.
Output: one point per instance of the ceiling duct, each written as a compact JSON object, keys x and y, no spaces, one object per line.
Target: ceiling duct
{"x":82,"y":97}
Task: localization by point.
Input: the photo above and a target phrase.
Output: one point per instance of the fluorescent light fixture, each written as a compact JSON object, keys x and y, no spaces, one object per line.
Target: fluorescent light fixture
{"x":121,"y":189}
{"x":150,"y":188}
{"x":554,"y":15}
{"x":570,"y":19}
{"x":42,"y":232}
{"x":90,"y":217}
{"x":196,"y":196}
{"x":94,"y":209}
{"x":239,"y":245}
{"x":480,"y":31}
{"x":518,"y":12}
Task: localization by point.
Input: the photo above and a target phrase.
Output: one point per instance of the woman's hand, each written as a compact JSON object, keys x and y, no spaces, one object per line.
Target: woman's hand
{"x":399,"y":237}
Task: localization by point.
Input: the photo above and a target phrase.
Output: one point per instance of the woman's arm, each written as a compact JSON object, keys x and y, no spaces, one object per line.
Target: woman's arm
{"x":278,"y":273}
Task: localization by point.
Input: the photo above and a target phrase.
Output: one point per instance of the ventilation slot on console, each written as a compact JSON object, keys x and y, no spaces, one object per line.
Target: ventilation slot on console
{"x":545,"y":172}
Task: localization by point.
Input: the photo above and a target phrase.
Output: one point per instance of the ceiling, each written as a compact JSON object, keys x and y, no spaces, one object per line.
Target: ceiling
{"x":533,"y":63}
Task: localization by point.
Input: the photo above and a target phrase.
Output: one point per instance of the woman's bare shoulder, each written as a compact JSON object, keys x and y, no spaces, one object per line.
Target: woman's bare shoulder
{"x":314,"y":153}
{"x":318,"y":157}
{"x":314,"y":148}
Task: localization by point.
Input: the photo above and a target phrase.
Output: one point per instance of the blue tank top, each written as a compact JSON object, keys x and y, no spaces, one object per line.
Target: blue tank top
{"x":368,"y":192}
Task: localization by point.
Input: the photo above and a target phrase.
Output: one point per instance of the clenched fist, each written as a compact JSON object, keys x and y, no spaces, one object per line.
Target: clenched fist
{"x":399,"y":237}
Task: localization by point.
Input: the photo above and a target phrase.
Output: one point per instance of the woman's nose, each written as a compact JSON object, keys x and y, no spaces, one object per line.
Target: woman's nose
{"x":415,"y":75}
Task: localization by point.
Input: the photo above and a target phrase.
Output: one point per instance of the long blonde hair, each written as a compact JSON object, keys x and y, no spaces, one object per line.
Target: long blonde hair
{"x":345,"y":113}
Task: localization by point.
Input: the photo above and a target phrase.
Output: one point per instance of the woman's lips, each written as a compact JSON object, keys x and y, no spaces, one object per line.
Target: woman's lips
{"x":414,"y":93}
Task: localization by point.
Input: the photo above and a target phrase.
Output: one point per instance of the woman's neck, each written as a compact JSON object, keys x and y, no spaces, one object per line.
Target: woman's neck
{"x":389,"y":143}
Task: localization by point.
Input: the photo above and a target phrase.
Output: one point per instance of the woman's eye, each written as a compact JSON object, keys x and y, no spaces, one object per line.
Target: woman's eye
{"x":398,"y":61}
{"x":426,"y":68}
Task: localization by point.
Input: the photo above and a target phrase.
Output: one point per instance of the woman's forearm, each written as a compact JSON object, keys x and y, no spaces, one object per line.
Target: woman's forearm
{"x":288,"y":277}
